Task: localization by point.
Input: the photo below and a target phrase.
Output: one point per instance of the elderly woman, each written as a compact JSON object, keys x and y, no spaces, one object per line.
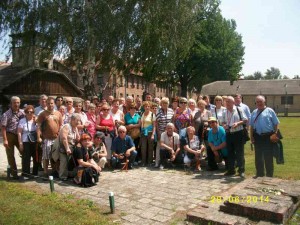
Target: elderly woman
{"x":106,"y":124}
{"x":217,"y":112}
{"x":83,"y":118}
{"x":193,"y":149}
{"x":148,"y":128}
{"x":68,"y":136}
{"x":174,"y":103}
{"x":200,"y":120}
{"x":92,"y":119}
{"x":163,"y":117}
{"x":28,"y":146}
{"x":192,"y":106}
{"x":99,"y":152}
{"x":132,"y":125}
{"x":84,"y":164}
{"x":182,"y":117}
{"x":116,"y":113}
{"x":62,"y":110}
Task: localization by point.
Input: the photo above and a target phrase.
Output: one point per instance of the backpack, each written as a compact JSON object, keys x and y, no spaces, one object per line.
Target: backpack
{"x":87,"y":177}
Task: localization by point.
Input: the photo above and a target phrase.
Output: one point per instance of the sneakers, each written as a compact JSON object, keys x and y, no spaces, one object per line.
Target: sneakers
{"x":242,"y":175}
{"x":161,"y":167}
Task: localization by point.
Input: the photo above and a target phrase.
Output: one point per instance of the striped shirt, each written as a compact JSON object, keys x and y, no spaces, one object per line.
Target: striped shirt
{"x":163,"y":119}
{"x":229,"y":118}
{"x":10,"y":120}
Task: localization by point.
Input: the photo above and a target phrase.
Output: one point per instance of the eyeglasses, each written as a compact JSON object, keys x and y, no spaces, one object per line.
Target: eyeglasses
{"x":121,"y":132}
{"x":105,"y":109}
{"x":183,"y":102}
{"x":212,"y":122}
{"x":132,"y":108}
{"x":29,"y":112}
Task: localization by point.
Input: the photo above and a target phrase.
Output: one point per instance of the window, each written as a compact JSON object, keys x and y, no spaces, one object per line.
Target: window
{"x":287,"y":100}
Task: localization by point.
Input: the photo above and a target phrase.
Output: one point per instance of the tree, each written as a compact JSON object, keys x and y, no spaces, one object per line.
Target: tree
{"x":272,"y":73}
{"x":121,"y":35}
{"x":217,"y":53}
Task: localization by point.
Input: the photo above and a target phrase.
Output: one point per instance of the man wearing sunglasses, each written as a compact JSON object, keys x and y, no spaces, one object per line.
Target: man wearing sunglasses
{"x":122,"y":148}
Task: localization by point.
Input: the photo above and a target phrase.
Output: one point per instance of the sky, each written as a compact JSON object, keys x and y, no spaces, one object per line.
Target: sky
{"x":270,"y":32}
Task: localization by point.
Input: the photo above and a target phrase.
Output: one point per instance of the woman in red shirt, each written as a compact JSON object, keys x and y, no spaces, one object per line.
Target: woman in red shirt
{"x":106,"y":124}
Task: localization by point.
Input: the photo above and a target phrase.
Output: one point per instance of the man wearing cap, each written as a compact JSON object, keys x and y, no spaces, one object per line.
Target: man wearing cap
{"x":217,"y":144}
{"x":122,"y":147}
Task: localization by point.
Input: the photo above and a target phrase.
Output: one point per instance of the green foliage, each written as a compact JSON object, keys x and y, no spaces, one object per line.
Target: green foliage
{"x":272,"y":73}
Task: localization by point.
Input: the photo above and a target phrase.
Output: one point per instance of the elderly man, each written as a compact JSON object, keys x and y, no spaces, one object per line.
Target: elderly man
{"x":264,"y":123}
{"x":126,"y":107}
{"x":169,"y":145}
{"x":9,"y":124}
{"x":234,"y":118}
{"x":42,"y":106}
{"x":122,"y":147}
{"x":110,"y":99}
{"x":238,"y":102}
{"x":49,"y":123}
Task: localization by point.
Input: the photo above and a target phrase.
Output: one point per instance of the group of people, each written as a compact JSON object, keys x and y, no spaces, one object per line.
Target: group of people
{"x":92,"y":134}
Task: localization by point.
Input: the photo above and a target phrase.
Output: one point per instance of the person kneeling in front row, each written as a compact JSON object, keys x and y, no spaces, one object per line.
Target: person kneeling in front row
{"x":122,"y":148}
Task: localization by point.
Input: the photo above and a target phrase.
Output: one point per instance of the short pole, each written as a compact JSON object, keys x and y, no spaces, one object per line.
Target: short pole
{"x":51,"y":183}
{"x":112,"y":202}
{"x":8,"y":172}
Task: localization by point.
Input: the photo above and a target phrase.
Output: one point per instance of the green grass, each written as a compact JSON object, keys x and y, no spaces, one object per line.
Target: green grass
{"x":19,"y":205}
{"x":291,"y":141}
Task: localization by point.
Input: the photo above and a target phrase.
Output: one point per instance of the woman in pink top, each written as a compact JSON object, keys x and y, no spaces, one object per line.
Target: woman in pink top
{"x":91,"y":116}
{"x":106,"y":124}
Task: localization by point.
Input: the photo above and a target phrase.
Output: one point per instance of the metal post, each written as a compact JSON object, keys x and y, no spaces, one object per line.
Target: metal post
{"x":51,"y":183}
{"x":285,"y":106}
{"x":112,"y":202}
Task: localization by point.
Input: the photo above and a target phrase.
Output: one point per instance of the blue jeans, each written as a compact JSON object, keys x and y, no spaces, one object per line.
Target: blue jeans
{"x":115,"y":162}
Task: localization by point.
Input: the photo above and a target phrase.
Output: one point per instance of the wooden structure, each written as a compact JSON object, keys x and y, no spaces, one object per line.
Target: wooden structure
{"x":29,"y":84}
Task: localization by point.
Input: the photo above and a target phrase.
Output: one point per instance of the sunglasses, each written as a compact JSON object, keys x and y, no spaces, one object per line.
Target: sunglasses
{"x":121,"y":132}
{"x":29,"y":112}
{"x":183,"y":102}
{"x":212,"y":122}
{"x":105,"y":109}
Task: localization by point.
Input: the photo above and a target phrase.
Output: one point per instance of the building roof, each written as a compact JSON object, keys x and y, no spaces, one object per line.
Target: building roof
{"x":253,"y":87}
{"x":9,"y":75}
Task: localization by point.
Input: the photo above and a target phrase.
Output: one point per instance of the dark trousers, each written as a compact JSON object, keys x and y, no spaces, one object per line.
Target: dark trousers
{"x":235,"y":147}
{"x":12,"y":140}
{"x":115,"y":162}
{"x":211,"y":159}
{"x":165,"y":155}
{"x":263,"y":155}
{"x":28,"y":153}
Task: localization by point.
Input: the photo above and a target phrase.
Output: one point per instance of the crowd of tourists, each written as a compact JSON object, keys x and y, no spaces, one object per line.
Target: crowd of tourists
{"x":79,"y":139}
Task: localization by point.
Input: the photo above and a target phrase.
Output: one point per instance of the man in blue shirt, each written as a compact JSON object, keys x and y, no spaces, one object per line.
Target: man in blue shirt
{"x":122,"y":147}
{"x":217,"y":144}
{"x":263,"y":124}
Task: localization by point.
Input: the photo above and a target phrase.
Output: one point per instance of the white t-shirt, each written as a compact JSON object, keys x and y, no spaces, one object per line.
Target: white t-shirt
{"x":23,"y":124}
{"x":117,"y":115}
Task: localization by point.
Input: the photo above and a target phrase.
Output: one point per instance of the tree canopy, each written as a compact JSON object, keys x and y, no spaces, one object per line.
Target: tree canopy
{"x":182,"y":41}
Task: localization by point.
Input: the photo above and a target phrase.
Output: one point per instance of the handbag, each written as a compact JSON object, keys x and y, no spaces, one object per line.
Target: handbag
{"x":246,"y":136}
{"x":32,"y":135}
{"x":134,"y":132}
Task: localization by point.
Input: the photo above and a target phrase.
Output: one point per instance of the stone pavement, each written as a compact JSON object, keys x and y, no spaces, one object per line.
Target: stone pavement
{"x":144,"y":196}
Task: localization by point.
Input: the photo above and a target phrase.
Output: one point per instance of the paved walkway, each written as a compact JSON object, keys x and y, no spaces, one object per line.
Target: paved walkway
{"x":144,"y":196}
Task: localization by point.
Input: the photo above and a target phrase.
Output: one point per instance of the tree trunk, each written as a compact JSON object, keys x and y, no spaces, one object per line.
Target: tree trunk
{"x":184,"y":85}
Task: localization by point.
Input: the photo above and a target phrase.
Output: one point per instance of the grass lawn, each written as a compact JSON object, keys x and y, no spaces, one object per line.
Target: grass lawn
{"x":289,"y":127}
{"x":20,"y":205}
